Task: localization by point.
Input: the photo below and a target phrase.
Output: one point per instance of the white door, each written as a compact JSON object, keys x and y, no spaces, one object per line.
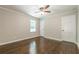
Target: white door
{"x":68,"y":28}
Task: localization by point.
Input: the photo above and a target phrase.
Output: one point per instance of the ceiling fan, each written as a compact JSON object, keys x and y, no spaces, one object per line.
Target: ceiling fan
{"x":44,"y":9}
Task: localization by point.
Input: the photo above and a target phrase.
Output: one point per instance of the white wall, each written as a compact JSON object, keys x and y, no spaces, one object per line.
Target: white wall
{"x":15,"y":26}
{"x":52,"y":25}
{"x":42,"y":27}
{"x":78,"y":26}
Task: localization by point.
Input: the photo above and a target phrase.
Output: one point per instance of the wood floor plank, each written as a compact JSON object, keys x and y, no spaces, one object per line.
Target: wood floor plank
{"x":39,"y":45}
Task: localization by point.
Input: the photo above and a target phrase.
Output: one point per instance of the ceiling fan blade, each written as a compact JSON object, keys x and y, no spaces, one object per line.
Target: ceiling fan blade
{"x":47,"y":11}
{"x":46,"y":6}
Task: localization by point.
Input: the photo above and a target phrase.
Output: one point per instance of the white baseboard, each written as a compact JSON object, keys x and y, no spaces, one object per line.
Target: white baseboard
{"x":52,"y":38}
{"x":57,"y":39}
{"x":16,"y":40}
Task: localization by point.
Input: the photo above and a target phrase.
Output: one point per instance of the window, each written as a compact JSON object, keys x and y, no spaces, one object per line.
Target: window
{"x":32,"y":26}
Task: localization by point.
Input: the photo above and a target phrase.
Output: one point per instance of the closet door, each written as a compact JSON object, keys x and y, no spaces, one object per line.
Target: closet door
{"x":68,"y":28}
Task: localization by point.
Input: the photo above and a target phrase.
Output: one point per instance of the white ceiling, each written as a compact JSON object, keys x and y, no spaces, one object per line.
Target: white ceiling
{"x":33,"y":10}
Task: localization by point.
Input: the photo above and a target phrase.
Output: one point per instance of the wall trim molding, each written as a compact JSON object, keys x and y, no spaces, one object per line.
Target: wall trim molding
{"x":52,"y":38}
{"x":17,"y":40}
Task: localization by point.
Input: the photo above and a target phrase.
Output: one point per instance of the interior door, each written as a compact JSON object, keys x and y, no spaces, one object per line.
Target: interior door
{"x":68,"y":28}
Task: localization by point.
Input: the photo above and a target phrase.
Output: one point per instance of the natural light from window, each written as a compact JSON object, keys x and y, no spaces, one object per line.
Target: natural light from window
{"x":32,"y":26}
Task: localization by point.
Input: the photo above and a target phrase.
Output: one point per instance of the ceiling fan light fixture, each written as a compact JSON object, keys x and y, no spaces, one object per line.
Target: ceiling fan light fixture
{"x":44,"y":13}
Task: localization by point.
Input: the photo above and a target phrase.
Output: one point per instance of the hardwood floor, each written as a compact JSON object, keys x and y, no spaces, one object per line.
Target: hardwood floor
{"x":39,"y":45}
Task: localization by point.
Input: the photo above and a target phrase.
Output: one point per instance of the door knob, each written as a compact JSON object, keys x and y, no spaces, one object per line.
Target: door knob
{"x":62,"y":30}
